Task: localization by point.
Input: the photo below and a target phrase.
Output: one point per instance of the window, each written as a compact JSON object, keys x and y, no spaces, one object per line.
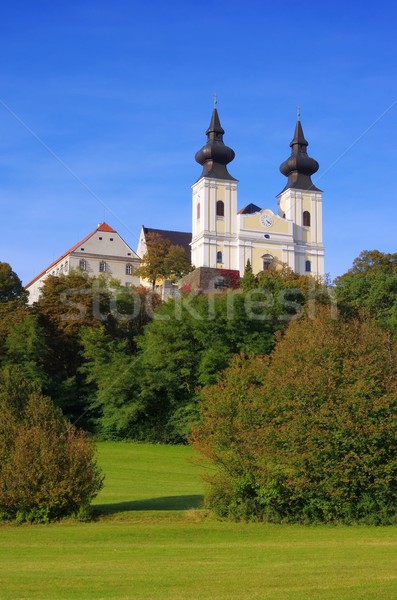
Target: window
{"x":219,"y":257}
{"x":100,"y":238}
{"x":102,"y":267}
{"x":128,"y":284}
{"x":128,"y":269}
{"x":198,"y":210}
{"x":267,"y":260}
{"x":82,"y":249}
{"x":220,"y":209}
{"x":308,"y":266}
{"x":111,"y":239}
{"x":83,"y":265}
{"x":306,"y":218}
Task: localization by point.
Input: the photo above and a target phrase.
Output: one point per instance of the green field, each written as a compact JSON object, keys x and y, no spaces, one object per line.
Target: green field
{"x":152,"y":541}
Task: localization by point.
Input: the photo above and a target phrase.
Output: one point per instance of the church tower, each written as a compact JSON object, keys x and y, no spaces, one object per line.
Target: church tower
{"x":214,"y":203}
{"x":301,"y":202}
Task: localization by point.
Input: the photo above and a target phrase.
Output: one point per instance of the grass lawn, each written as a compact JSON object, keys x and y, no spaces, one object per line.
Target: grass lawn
{"x":146,"y":545}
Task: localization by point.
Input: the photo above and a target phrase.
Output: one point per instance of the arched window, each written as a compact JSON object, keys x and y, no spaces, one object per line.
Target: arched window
{"x":306,"y":218}
{"x":220,"y":209}
{"x":308,"y":266}
{"x":102,"y":267}
{"x":198,"y":211}
{"x":128,"y":269}
{"x":219,"y":257}
{"x":267,"y":260}
{"x":83,"y":265}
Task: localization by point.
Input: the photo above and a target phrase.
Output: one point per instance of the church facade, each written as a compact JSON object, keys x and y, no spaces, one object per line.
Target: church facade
{"x":226,"y":238}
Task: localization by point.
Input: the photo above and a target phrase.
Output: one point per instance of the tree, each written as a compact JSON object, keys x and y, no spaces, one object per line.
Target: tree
{"x":188,"y":342}
{"x":163,"y":260}
{"x":111,"y":368}
{"x":26,"y":347}
{"x":177,"y":263}
{"x":47,"y":466}
{"x":11,"y":287}
{"x":248,"y":281}
{"x":153,"y":265}
{"x":370,"y":287}
{"x":309,"y":434}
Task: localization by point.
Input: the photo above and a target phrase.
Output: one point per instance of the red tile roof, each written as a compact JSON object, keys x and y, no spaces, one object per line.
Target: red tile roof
{"x":101,"y":227}
{"x":105,"y":227}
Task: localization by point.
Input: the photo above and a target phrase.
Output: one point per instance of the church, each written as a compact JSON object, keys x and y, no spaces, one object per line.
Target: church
{"x":224,"y":237}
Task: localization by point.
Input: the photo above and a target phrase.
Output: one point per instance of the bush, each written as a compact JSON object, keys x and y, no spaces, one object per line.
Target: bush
{"x":47,"y":466}
{"x":309,"y":435}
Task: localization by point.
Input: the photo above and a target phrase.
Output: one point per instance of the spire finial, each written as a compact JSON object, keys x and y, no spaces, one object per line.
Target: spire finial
{"x":298,"y":113}
{"x":215,"y":99}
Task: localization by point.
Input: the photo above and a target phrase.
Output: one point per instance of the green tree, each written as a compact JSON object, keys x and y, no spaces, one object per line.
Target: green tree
{"x":177,"y":263}
{"x":309,"y":434}
{"x":189,"y":341}
{"x":111,"y":369}
{"x":26,"y":347}
{"x":11,"y":287}
{"x":47,"y":466}
{"x":370,"y":287}
{"x":248,"y":281}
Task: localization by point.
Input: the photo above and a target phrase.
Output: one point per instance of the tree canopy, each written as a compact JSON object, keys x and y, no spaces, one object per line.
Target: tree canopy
{"x":11,"y":287}
{"x":309,"y":434}
{"x":370,"y":287}
{"x":162,"y":260}
{"x":47,"y":466}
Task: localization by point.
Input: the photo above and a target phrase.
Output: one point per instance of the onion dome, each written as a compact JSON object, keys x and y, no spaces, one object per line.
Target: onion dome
{"x":299,"y":167}
{"x":214,"y":156}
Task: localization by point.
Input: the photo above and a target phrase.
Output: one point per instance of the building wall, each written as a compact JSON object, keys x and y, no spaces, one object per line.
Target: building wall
{"x":102,"y":247}
{"x":240,"y":237}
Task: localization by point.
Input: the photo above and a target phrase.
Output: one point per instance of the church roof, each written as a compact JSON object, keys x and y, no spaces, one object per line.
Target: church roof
{"x":215,"y":155}
{"x":250,"y":209}
{"x":101,"y":227}
{"x":299,"y":167}
{"x":177,"y":238}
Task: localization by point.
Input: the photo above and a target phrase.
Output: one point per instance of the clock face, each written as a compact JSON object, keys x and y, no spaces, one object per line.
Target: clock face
{"x":267,"y":220}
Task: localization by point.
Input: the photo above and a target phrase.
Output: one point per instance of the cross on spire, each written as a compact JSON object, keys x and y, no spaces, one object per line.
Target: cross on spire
{"x":215,"y":99}
{"x":298,"y":113}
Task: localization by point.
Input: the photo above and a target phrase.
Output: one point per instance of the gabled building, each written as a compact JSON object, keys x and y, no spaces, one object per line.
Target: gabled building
{"x":225,"y":238}
{"x":103,"y":251}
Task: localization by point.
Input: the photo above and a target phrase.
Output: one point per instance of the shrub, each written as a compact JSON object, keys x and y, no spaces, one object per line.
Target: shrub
{"x":47,"y":466}
{"x":309,"y":435}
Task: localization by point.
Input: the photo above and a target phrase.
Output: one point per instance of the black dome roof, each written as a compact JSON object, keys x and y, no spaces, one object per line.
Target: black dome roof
{"x":299,"y":167}
{"x":214,"y":156}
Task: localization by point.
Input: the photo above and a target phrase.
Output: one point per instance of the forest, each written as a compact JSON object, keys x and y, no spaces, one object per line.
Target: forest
{"x":288,"y":385}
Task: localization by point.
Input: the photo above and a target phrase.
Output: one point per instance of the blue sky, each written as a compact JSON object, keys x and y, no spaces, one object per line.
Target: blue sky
{"x":104,"y":104}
